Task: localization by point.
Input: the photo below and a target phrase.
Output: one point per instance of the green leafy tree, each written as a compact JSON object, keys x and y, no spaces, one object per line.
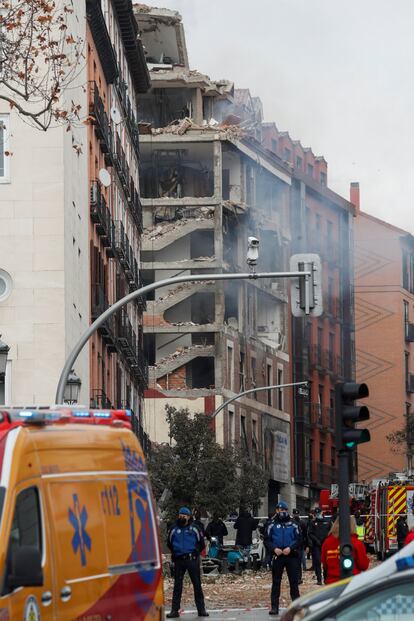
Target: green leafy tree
{"x":198,"y":472}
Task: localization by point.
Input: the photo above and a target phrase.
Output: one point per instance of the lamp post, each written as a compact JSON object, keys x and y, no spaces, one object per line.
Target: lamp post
{"x":4,"y":350}
{"x":252,"y":390}
{"x":72,"y":388}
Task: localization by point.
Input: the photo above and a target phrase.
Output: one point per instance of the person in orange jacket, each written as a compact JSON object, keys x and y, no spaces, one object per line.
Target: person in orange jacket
{"x":330,"y":553}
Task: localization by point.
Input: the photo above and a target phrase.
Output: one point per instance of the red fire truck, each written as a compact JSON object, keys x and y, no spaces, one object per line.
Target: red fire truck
{"x":389,"y":499}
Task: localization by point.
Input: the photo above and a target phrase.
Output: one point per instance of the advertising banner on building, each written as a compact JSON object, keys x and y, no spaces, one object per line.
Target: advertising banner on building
{"x":280,"y":462}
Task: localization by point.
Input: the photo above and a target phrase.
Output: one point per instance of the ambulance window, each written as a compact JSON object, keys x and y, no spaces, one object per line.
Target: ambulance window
{"x":26,"y":527}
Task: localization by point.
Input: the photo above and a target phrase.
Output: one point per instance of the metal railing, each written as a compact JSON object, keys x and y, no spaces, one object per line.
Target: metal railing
{"x":101,"y":124}
{"x":323,"y":474}
{"x":101,"y":216}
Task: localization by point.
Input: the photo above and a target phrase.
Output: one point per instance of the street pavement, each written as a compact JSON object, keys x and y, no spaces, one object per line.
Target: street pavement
{"x":231,"y":614}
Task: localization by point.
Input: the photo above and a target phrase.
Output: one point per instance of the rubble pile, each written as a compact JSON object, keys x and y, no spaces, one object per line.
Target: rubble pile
{"x":250,"y":589}
{"x":179,"y":352}
{"x":158,"y":231}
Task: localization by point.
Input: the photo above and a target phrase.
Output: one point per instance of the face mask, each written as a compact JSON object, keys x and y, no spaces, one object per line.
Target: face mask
{"x":283,"y":515}
{"x":182,"y":521}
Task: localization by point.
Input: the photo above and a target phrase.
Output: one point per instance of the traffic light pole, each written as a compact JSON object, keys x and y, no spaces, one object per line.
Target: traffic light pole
{"x":344,"y":512}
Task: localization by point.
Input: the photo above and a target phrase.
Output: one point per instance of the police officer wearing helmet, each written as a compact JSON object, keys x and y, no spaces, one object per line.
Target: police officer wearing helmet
{"x":283,"y":539}
{"x":186,"y":542}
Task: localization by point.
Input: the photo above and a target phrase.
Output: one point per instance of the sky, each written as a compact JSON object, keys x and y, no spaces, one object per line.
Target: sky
{"x":338,"y":75}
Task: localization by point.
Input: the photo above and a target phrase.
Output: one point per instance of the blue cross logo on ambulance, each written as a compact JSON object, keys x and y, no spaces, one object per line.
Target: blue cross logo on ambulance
{"x":143,"y":541}
{"x":31,"y":609}
{"x":80,"y":540}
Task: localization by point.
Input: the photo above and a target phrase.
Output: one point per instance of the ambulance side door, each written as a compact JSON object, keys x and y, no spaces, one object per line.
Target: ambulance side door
{"x":28,"y":581}
{"x":80,"y":562}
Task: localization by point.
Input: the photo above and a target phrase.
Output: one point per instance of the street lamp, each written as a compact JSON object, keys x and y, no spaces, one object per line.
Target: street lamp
{"x":4,"y":350}
{"x":72,"y":388}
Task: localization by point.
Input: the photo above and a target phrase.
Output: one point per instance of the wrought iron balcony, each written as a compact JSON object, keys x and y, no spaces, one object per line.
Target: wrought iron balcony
{"x":322,"y":416}
{"x":324,"y":474}
{"x":410,"y":383}
{"x":315,"y":355}
{"x":101,"y":217}
{"x":409,"y":332}
{"x":101,"y":122}
{"x":99,"y":399}
{"x":135,"y":206}
{"x":121,"y":164}
{"x":99,"y":304}
{"x":130,"y":120}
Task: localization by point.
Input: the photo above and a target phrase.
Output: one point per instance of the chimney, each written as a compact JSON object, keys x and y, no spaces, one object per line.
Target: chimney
{"x":354,"y":195}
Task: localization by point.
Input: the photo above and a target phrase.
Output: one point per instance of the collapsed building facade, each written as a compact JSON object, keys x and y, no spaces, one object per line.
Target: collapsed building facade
{"x":206,"y":185}
{"x":213,"y":174}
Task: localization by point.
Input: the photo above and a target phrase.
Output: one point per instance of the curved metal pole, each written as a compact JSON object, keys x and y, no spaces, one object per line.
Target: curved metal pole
{"x":70,"y":361}
{"x":246,"y":392}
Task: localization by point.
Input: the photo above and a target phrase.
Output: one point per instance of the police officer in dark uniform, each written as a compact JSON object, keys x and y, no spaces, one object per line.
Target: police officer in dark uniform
{"x":283,"y":540}
{"x":186,"y":542}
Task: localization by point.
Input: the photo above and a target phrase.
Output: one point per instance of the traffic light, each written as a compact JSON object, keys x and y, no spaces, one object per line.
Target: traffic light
{"x":346,"y":560}
{"x":306,"y":294}
{"x":348,"y":413}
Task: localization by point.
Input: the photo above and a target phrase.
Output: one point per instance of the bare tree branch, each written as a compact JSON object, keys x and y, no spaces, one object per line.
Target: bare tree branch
{"x":39,"y":59}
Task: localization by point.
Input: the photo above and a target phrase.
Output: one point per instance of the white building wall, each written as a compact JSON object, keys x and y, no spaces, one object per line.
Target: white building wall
{"x":44,"y":247}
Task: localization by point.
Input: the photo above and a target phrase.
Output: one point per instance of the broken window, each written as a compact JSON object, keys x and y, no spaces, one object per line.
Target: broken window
{"x":175,"y":171}
{"x":202,"y":244}
{"x":166,"y":105}
{"x":200,"y":373}
{"x":231,"y":304}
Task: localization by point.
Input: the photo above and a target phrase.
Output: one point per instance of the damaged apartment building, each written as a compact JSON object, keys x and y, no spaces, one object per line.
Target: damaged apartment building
{"x":207,"y":184}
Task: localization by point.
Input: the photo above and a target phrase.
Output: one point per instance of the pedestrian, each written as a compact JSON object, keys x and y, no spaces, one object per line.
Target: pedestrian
{"x":317,"y":533}
{"x":304,"y":542}
{"x":284,"y":541}
{"x":410,"y":537}
{"x":360,"y":525}
{"x":216,"y":528}
{"x":245,"y":525}
{"x":263,"y":527}
{"x":331,"y":553}
{"x":402,"y":530}
{"x":186,"y":543}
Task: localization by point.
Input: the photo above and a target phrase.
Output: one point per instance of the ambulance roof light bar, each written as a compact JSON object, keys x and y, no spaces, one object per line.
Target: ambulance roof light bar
{"x":63,"y":415}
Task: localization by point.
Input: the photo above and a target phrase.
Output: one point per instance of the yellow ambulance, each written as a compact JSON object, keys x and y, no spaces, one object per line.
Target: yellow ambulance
{"x":78,"y":530}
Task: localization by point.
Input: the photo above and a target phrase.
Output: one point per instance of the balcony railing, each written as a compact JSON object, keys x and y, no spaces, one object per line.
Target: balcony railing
{"x":121,"y":165}
{"x":130,"y":120}
{"x":101,"y":217}
{"x":324,"y":474}
{"x":101,"y":122}
{"x":410,"y":383}
{"x":135,"y":206}
{"x":409,"y":332}
{"x":99,"y":304}
{"x":322,"y":416}
{"x":315,"y":356}
{"x":99,"y":399}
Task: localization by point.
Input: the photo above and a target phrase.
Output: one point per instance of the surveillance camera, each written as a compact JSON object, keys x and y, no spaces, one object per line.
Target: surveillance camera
{"x":252,"y":251}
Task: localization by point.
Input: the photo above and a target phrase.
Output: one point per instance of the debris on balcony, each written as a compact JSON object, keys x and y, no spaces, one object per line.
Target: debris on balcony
{"x":175,"y":222}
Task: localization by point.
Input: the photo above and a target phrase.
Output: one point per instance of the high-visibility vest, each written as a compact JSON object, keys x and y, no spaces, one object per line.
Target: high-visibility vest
{"x":360,"y":532}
